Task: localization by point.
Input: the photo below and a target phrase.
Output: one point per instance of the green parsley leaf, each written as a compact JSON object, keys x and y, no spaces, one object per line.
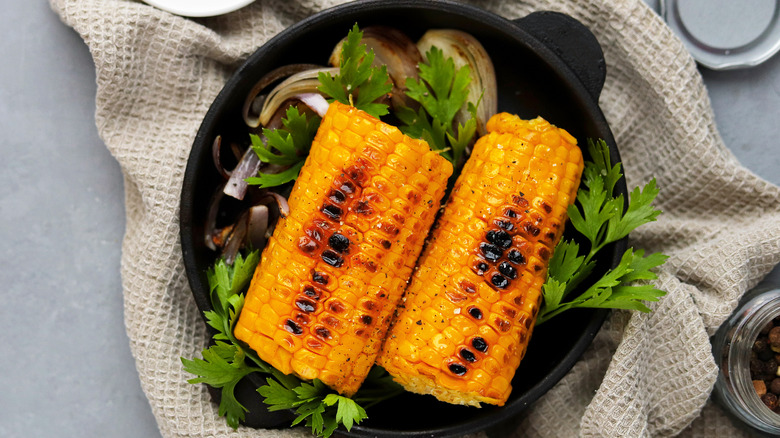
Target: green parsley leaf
{"x":223,"y":367}
{"x":276,"y":179}
{"x":441,"y":92}
{"x":358,"y":82}
{"x":223,"y":364}
{"x":277,"y":397}
{"x":600,"y":217}
{"x":323,"y":410}
{"x":287,"y":147}
{"x":348,"y":412}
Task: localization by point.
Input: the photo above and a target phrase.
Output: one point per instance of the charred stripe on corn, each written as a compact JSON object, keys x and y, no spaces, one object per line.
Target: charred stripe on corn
{"x":471,"y":305}
{"x":331,"y":275}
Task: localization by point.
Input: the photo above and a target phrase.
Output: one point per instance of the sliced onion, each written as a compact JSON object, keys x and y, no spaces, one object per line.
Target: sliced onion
{"x":315,"y":102}
{"x":248,"y":166}
{"x":216,"y":154}
{"x":236,"y":239}
{"x":257,"y":227}
{"x":281,"y":202}
{"x":464,"y":49}
{"x":211,"y":218}
{"x":254,"y":100}
{"x":304,"y":82}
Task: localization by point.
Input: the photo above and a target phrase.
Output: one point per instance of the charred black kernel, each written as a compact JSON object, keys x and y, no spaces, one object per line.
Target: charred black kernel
{"x":480,"y":268}
{"x":500,"y":238}
{"x":510,"y":213}
{"x":332,"y":211}
{"x":319,"y":277}
{"x":546,"y":207}
{"x":305,"y":305}
{"x":475,"y":312}
{"x":468,"y":355}
{"x":516,"y":257}
{"x":508,"y":270}
{"x":367,"y":320}
{"x":336,"y":196}
{"x":386,"y":244}
{"x":311,"y":292}
{"x":292,"y":327}
{"x":339,"y":242}
{"x":479,"y":344}
{"x":491,"y":252}
{"x":499,"y":281}
{"x":330,"y":257}
{"x":504,"y":225}
{"x":458,"y":369}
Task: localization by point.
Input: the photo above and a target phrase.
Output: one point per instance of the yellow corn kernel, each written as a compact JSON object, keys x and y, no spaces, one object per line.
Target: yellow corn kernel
{"x":487,"y":260}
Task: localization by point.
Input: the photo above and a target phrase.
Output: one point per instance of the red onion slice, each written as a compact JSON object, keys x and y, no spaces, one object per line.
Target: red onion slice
{"x":315,"y":101}
{"x":258,"y":226}
{"x":248,"y":166}
{"x":281,"y":202}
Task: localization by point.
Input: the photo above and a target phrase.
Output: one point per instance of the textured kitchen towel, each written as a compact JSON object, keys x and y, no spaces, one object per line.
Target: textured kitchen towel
{"x":646,"y":375}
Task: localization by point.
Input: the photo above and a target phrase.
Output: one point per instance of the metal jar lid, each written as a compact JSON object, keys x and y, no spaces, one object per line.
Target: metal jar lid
{"x":726,"y":34}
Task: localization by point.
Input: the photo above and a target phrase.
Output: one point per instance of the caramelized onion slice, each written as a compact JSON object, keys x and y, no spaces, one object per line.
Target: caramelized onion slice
{"x":254,"y":101}
{"x":248,"y":166}
{"x":301,"y":83}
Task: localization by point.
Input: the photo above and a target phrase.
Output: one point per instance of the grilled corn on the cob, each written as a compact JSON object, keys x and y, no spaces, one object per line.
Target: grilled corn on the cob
{"x":331,"y":275}
{"x":470,"y":309}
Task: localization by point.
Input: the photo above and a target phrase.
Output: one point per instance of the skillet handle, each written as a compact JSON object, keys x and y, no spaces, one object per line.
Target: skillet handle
{"x":572,"y":42}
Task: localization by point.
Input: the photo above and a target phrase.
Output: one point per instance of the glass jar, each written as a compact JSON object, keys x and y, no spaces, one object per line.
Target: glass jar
{"x":731,"y":346}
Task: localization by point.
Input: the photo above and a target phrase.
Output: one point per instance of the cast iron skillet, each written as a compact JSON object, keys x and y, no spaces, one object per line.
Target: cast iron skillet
{"x":547,"y":64}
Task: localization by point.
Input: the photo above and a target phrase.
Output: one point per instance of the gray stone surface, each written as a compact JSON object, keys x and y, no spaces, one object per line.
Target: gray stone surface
{"x":66,"y":368}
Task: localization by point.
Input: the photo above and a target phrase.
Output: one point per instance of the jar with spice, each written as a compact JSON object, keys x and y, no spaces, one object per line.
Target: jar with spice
{"x":747,"y":350}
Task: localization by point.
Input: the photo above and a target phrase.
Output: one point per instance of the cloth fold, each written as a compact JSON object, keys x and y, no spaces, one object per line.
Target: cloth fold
{"x":645,"y":375}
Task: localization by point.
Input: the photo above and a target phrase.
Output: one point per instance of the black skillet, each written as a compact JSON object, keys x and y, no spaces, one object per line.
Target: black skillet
{"x":547,"y":64}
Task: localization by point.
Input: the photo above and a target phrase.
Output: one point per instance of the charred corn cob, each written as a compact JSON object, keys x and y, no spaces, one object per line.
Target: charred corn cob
{"x":335,"y":268}
{"x":470,"y":308}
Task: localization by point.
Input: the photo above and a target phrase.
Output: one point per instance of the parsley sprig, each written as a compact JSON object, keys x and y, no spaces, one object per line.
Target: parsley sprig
{"x":286,"y":147}
{"x":441,"y":91}
{"x":358,"y":82}
{"x":602,"y":220}
{"x":225,"y":363}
